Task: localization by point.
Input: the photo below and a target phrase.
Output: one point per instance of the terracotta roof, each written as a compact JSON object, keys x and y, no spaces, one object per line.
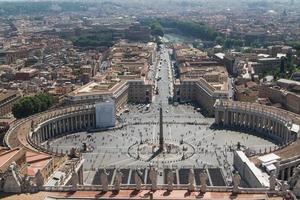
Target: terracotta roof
{"x":6,"y":156}
{"x":34,"y":157}
{"x":36,"y":161}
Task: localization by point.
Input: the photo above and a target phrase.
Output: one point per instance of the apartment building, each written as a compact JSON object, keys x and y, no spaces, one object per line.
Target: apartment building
{"x":7,"y":99}
{"x":284,"y":92}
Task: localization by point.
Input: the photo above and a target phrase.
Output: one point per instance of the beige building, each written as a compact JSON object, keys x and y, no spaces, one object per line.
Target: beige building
{"x":266,"y":64}
{"x":7,"y":99}
{"x":192,"y":55}
{"x":29,"y":162}
{"x":284,"y":93}
{"x":202,"y":79}
{"x":246,"y":92}
{"x":216,"y":75}
{"x":124,"y":53}
{"x":124,"y":80}
{"x":122,"y":92}
{"x":198,"y":90}
{"x":87,"y":69}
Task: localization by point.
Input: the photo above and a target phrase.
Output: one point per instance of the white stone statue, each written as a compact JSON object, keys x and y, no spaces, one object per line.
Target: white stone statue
{"x":277,"y":165}
{"x":104,"y":180}
{"x":138,"y":179}
{"x":203,"y":181}
{"x":272,"y":181}
{"x":236,"y":182}
{"x":12,"y":180}
{"x":191,"y":180}
{"x":284,"y":187}
{"x":153,"y":178}
{"x":170,"y":180}
{"x":295,"y":181}
{"x":74,"y":179}
{"x":61,"y":180}
{"x":295,"y":177}
{"x":118,"y":180}
{"x":39,"y":179}
{"x":28,"y":185}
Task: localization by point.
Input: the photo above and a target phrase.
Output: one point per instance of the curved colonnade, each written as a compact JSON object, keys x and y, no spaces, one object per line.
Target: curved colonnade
{"x":75,"y":121}
{"x":265,"y":121}
{"x":51,"y":124}
{"x":274,"y":123}
{"x":271,"y":122}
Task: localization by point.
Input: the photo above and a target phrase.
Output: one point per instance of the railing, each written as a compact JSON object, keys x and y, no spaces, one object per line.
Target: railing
{"x":228,"y":189}
{"x":161,"y":187}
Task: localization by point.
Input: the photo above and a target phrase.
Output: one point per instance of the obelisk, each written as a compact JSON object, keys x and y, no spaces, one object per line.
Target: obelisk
{"x":161,"y":134}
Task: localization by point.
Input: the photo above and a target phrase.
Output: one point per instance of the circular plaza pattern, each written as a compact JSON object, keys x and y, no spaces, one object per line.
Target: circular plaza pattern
{"x":173,"y":150}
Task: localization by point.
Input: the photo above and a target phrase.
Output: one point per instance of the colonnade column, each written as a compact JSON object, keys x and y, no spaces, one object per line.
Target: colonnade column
{"x":281,"y":131}
{"x":217,"y":118}
{"x":226,"y":120}
{"x":72,"y":124}
{"x":84,"y":121}
{"x":58,"y":127}
{"x":63,"y":125}
{"x":51,"y":131}
{"x":67,"y":125}
{"x":77,"y":122}
{"x":274,"y":127}
{"x":244,"y":119}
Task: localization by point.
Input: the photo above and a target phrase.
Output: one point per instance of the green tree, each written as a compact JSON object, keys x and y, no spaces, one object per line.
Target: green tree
{"x":219,"y":40}
{"x":157,"y":29}
{"x":194,"y":29}
{"x":46,"y":101}
{"x":27,"y":106}
{"x":103,"y":38}
{"x":295,"y":45}
{"x":229,"y":43}
{"x":23,"y":108}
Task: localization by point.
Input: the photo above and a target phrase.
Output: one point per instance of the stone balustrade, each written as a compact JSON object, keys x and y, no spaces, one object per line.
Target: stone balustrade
{"x":228,"y":189}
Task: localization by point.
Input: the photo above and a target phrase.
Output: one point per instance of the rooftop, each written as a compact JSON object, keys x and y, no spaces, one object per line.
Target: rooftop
{"x":7,"y":93}
{"x":98,"y":87}
{"x":36,"y":161}
{"x":28,"y":70}
{"x":287,"y":81}
{"x":7,"y":155}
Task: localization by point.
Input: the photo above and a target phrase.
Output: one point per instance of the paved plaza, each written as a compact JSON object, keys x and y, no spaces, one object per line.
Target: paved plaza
{"x":190,"y":141}
{"x":210,"y":148}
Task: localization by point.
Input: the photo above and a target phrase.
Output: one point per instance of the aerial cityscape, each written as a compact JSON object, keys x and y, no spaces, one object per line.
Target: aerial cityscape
{"x":149,"y":99}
